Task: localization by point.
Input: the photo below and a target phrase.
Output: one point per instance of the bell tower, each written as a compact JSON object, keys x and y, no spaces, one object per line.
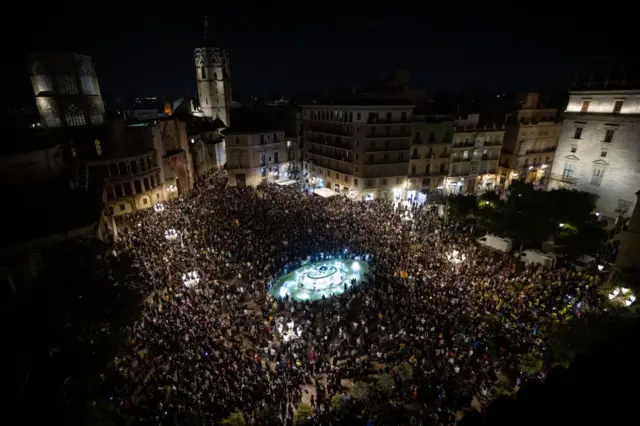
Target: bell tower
{"x":213,"y":75}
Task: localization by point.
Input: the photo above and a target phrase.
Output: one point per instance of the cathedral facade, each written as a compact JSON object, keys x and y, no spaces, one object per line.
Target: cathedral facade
{"x":213,"y":77}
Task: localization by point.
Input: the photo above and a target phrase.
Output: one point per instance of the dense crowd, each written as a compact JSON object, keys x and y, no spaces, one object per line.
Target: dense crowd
{"x":461,"y":316}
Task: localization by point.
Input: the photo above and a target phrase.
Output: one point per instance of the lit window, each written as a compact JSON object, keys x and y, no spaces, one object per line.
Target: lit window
{"x":98,"y":147}
{"x":585,"y":106}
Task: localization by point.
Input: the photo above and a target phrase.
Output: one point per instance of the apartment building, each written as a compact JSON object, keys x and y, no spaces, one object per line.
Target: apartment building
{"x":530,"y":143}
{"x":599,"y":147}
{"x":430,"y":153}
{"x":358,"y":147}
{"x":474,"y":155}
{"x":257,"y":154}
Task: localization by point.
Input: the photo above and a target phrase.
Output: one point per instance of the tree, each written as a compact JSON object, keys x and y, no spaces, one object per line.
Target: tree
{"x":235,"y":419}
{"x":337,"y":402}
{"x":404,"y":370}
{"x":572,"y":207}
{"x":531,"y":364}
{"x":268,"y":416}
{"x":461,"y":206}
{"x":360,"y":390}
{"x":386,"y":382}
{"x":586,"y":239}
{"x":303,"y":414}
{"x":72,"y":325}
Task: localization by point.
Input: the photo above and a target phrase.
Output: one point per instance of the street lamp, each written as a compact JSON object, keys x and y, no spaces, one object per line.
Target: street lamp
{"x":622,"y":295}
{"x":171,"y":234}
{"x":191,"y":279}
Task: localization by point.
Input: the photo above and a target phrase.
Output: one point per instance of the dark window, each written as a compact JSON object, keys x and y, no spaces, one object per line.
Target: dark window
{"x":608,"y":136}
{"x":138,"y":186}
{"x":617,"y":107}
{"x":275,"y":157}
{"x":578,"y":133}
{"x":122,"y":207}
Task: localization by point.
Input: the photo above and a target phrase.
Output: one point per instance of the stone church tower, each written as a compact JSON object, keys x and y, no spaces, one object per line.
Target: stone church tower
{"x":214,"y":79}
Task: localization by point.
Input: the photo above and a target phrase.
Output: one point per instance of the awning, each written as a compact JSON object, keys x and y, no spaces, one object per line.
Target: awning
{"x":325,"y":192}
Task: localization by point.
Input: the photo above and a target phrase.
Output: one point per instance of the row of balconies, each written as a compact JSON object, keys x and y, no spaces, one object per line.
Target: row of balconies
{"x":432,"y":140}
{"x":538,"y":151}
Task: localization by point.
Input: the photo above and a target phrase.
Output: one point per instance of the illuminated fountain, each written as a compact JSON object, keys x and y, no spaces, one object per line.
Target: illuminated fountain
{"x":325,"y":278}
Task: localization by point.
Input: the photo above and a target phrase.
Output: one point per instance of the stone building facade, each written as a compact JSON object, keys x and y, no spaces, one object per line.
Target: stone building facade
{"x":213,"y":74}
{"x":475,"y":153}
{"x":530,"y":143}
{"x":358,"y":147}
{"x":430,"y":152}
{"x":254,"y":156}
{"x":144,"y":165}
{"x":599,"y":148}
{"x":66,"y":90}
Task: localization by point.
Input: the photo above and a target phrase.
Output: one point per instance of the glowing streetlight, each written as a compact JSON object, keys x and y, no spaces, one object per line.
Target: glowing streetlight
{"x":600,"y":268}
{"x":171,"y":234}
{"x":622,"y":296}
{"x":191,"y":279}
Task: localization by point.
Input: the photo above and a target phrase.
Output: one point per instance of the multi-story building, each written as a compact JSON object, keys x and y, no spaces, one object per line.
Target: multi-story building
{"x":430,"y":153}
{"x":66,"y":90}
{"x":256,"y":154}
{"x":599,"y":147}
{"x":530,"y":143}
{"x":475,"y":153}
{"x":208,"y":146}
{"x":360,"y":147}
{"x":213,"y":74}
{"x":143,"y":164}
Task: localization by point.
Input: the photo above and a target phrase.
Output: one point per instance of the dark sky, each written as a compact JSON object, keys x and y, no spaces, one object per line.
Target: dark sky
{"x":308,"y":50}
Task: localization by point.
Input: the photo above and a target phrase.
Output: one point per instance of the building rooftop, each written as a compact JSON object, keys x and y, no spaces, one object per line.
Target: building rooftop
{"x":363,"y":102}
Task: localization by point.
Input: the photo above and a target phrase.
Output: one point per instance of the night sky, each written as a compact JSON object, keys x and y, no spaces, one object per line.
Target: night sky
{"x":304,"y":50}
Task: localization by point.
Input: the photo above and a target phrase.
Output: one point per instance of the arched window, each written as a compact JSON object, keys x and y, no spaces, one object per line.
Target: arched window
{"x":215,"y":76}
{"x":98,"y":147}
{"x":203,"y":72}
{"x":74,"y":117}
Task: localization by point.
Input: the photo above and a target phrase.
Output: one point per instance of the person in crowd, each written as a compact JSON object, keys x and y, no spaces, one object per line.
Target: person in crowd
{"x":213,"y":344}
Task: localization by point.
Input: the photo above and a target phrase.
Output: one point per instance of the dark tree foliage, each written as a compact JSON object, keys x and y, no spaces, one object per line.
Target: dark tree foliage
{"x":597,"y":388}
{"x":69,"y":328}
{"x":460,"y":206}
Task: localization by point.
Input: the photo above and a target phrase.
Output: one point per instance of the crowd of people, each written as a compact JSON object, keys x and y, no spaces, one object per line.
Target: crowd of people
{"x":209,"y":343}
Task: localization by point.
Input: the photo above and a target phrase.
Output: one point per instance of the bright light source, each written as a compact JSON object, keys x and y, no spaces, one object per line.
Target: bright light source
{"x":355,"y":267}
{"x":625,"y":290}
{"x":171,"y":234}
{"x":191,"y":279}
{"x":600,"y":268}
{"x":561,"y":225}
{"x":158,"y":207}
{"x":172,"y":188}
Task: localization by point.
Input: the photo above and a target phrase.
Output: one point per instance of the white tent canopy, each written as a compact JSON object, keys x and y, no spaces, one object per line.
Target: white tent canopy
{"x":325,"y":192}
{"x":285,"y":182}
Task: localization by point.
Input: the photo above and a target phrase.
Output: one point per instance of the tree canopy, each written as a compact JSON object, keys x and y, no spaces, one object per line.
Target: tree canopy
{"x":530,"y":217}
